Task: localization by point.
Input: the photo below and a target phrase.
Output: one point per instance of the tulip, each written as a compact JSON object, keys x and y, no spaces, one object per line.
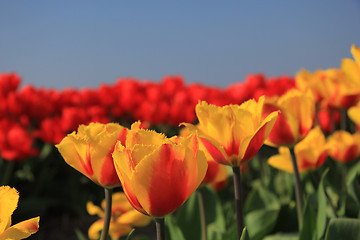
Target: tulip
{"x":310,"y":153}
{"x":158,"y":174}
{"x":344,"y":146}
{"x":331,"y":85}
{"x":233,"y":134}
{"x":123,"y":217}
{"x":9,"y":198}
{"x":296,"y":117}
{"x":16,"y":143}
{"x":89,"y":151}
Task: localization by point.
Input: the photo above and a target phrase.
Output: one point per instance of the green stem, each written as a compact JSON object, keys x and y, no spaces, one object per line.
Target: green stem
{"x":107,"y":216}
{"x":298,"y":188}
{"x":202,"y":214}
{"x":343,"y":119}
{"x":238,"y":203}
{"x":160,"y":228}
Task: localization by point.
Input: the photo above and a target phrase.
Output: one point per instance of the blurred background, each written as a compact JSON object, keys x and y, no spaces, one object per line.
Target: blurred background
{"x":57,"y":44}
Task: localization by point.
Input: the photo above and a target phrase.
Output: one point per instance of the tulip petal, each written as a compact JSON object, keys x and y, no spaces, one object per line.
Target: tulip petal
{"x":282,"y":160}
{"x":9,"y":198}
{"x":162,"y":180}
{"x":124,"y":167}
{"x":251,"y":146}
{"x":77,"y":153}
{"x":134,"y":218}
{"x":21,"y":230}
{"x":94,"y":210}
{"x":219,"y":125}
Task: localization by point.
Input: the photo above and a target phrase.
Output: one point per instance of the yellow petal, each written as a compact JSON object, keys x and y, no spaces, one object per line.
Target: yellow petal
{"x":282,"y":160}
{"x":9,"y":198}
{"x":94,"y":210}
{"x":21,"y":230}
{"x":216,"y":122}
{"x":355,"y":51}
{"x":134,"y":218}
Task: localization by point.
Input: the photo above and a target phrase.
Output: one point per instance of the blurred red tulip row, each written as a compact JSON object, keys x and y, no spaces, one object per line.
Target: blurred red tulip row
{"x":28,"y":113}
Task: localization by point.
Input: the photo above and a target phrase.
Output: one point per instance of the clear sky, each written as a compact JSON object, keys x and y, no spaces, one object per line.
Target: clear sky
{"x":82,"y":43}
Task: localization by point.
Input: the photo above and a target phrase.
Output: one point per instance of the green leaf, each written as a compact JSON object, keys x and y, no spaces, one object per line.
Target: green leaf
{"x":188,"y":218}
{"x":308,"y":230}
{"x":80,"y":235}
{"x":283,"y":236}
{"x":173,"y":229}
{"x":343,"y":228}
{"x":260,"y":198}
{"x":130,"y":234}
{"x":215,"y":219}
{"x":261,"y":222}
{"x":244,"y":235}
{"x":321,"y":210}
{"x":262,"y":208}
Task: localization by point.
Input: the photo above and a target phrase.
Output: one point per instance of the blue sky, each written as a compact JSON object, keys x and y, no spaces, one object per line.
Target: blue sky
{"x":78,"y":43}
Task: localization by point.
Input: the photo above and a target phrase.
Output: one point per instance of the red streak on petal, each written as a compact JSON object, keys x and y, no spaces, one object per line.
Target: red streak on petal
{"x":109,"y":176}
{"x":350,"y":153}
{"x":281,"y":133}
{"x":322,"y":158}
{"x":349,"y":100}
{"x":232,"y":149}
{"x":87,"y":163}
{"x":212,"y":171}
{"x":132,"y":198}
{"x":255,"y":144}
{"x":122,"y":136}
{"x":214,"y":152}
{"x":169,"y":183}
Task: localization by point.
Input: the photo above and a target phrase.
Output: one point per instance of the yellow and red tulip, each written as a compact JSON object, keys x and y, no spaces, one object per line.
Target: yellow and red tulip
{"x":157,"y":173}
{"x":123,"y":217}
{"x":351,"y":67}
{"x":296,"y":117}
{"x":344,"y":146}
{"x":216,"y":174}
{"x":89,"y":151}
{"x":9,"y":198}
{"x":332,"y":86}
{"x":233,"y":134}
{"x":310,"y":153}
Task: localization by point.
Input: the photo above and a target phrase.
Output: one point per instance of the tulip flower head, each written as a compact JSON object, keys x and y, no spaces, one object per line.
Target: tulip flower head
{"x":123,"y":217}
{"x":233,"y":134}
{"x":9,"y":198}
{"x":89,"y":151}
{"x":157,"y":173}
{"x":310,"y":153}
{"x":344,"y":146}
{"x":296,"y":117}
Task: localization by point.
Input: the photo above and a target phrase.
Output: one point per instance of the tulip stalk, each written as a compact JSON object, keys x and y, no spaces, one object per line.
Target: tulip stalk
{"x":238,"y":202}
{"x":202,"y":214}
{"x":107,"y":216}
{"x":160,"y":228}
{"x":298,"y":188}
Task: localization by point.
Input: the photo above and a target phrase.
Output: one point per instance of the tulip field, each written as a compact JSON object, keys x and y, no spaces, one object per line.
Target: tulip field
{"x":273,"y":158}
